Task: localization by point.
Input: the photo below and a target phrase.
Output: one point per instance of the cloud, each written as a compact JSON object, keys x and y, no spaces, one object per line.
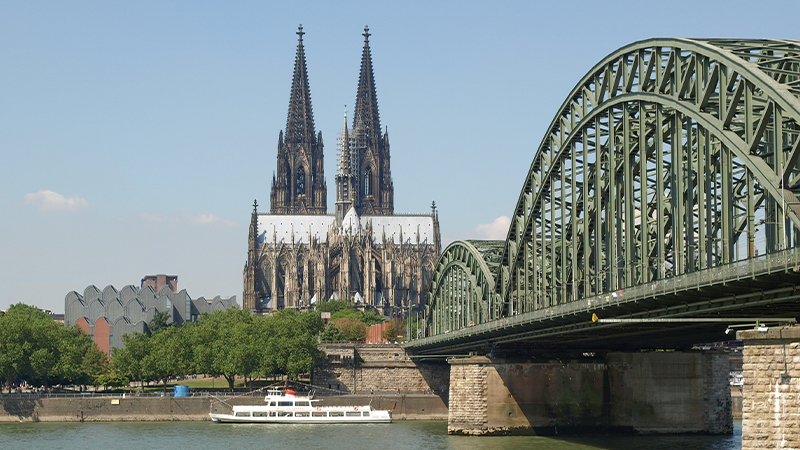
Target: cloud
{"x":53,"y":201}
{"x":497,"y":230}
{"x":205,"y":218}
{"x":208,"y":219}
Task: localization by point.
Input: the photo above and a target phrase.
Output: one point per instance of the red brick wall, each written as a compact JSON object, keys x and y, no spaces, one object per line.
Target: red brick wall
{"x":84,"y":325}
{"x":102,"y":335}
{"x":375,"y":334}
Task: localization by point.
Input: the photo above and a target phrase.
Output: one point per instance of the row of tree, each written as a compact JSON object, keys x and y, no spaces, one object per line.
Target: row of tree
{"x":229,"y":343}
{"x":42,"y":352}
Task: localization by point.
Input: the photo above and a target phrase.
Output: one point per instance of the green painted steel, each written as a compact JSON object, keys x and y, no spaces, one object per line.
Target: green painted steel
{"x":671,"y":157}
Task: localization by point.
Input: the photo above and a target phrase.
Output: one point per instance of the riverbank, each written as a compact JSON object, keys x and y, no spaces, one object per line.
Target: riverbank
{"x":119,"y":408}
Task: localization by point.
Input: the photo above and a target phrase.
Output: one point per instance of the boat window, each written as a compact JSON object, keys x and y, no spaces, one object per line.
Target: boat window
{"x":302,"y":404}
{"x":301,"y":414}
{"x":242,"y":414}
{"x":319,"y":414}
{"x":335,"y":414}
{"x":353,"y":414}
{"x":365,"y":414}
{"x":284,"y":403}
{"x":285,"y":414}
{"x":259,"y":414}
{"x":273,"y":414}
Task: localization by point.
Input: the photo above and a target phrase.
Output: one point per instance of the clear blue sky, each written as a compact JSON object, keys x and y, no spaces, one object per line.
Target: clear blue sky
{"x":134,"y":136}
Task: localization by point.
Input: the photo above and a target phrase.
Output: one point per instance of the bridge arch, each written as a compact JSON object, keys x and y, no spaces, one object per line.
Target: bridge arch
{"x":669,"y":157}
{"x":462,"y":287}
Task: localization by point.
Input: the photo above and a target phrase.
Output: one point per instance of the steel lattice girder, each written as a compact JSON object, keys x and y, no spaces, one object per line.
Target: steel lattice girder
{"x":659,"y":163}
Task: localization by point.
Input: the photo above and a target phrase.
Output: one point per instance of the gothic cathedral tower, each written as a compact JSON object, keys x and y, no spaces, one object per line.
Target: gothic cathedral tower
{"x":370,"y":170}
{"x":299,"y":187}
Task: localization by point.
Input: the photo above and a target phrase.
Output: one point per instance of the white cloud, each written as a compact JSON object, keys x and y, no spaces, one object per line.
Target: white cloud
{"x":53,"y":201}
{"x":497,"y":230}
{"x":205,"y":218}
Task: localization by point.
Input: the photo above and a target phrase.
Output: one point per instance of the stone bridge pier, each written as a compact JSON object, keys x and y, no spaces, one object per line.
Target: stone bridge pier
{"x":653,"y":392}
{"x":770,"y":397}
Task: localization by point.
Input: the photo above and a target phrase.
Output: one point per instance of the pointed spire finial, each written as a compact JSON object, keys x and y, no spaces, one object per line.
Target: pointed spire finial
{"x":366,"y":33}
{"x":255,"y":204}
{"x":300,"y":32}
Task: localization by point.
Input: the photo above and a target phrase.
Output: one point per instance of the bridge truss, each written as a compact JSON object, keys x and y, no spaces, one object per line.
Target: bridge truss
{"x":670,"y":160}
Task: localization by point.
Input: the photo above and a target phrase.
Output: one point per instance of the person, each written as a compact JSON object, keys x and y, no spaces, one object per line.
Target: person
{"x":398,"y":391}
{"x":371,"y":391}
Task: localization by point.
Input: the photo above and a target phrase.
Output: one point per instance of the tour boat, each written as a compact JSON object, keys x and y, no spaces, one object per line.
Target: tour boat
{"x":288,"y":407}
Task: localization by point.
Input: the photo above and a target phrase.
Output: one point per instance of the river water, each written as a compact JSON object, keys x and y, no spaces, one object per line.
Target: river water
{"x":399,"y":435}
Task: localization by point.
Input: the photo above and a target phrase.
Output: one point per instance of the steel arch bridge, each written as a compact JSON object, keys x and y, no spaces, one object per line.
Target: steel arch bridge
{"x":666,"y":186}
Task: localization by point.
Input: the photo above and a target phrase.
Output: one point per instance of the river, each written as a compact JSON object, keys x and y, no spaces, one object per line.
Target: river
{"x":398,"y":435}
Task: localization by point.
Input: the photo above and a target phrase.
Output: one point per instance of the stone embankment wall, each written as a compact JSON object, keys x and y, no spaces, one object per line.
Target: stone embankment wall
{"x":379,"y":368}
{"x":143,"y":409}
{"x":627,"y":392}
{"x":771,"y":390}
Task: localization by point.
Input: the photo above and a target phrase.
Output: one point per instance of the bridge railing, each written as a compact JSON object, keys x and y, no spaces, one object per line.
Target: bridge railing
{"x":749,"y":268}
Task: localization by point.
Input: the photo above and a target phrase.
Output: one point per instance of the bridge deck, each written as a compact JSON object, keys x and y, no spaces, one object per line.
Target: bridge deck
{"x":768,"y":286}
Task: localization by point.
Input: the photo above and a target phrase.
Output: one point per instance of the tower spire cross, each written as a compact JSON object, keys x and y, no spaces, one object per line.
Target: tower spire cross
{"x":366,"y":33}
{"x":300,"y":31}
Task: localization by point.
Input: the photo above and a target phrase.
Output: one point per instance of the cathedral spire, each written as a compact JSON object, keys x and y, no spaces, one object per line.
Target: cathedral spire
{"x":300,"y":123}
{"x":344,"y":149}
{"x":299,"y":185}
{"x":366,"y":114}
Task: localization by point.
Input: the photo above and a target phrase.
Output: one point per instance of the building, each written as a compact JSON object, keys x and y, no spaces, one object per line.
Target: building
{"x":109,"y":314}
{"x":159,"y":281}
{"x":299,"y":254}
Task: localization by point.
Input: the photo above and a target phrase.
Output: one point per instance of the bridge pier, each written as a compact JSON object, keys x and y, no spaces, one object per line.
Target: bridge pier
{"x":655,"y":392}
{"x":770,"y":397}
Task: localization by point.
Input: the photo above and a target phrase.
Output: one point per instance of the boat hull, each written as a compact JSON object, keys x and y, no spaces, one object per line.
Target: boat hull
{"x":228,"y":418}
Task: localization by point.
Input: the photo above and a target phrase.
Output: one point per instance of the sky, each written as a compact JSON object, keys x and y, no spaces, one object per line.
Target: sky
{"x":134,"y":136}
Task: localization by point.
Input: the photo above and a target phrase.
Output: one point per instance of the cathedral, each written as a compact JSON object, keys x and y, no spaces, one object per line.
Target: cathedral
{"x":299,"y":255}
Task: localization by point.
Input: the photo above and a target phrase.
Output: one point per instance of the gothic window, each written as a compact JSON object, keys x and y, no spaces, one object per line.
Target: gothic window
{"x":286,"y":172}
{"x":367,"y":181}
{"x":300,"y":181}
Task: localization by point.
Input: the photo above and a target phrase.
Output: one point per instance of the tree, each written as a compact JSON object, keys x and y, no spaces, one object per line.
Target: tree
{"x":353,"y":329}
{"x":333,"y":306}
{"x":94,"y":365}
{"x":224,"y":341}
{"x":129,"y":361}
{"x":370,"y":317}
{"x":393,"y":330}
{"x":159,"y":322}
{"x":288,"y":343}
{"x":36,"y":348}
{"x":168,"y":357}
{"x":332,"y":333}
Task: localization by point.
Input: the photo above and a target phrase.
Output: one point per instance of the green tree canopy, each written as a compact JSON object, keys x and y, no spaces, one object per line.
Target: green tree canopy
{"x":159,"y":322}
{"x":38,"y":349}
{"x":332,"y":333}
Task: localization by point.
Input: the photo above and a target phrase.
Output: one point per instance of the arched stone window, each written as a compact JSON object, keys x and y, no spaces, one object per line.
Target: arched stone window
{"x":286,"y":176}
{"x":300,"y":181}
{"x":367,"y":182}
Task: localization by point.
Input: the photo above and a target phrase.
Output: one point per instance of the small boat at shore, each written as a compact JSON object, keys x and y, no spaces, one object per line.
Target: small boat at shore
{"x":288,"y":407}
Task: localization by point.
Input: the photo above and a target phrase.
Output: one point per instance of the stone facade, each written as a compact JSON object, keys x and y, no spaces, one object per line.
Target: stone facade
{"x":299,"y":255}
{"x":771,"y":390}
{"x":627,"y":392}
{"x":378,"y":368}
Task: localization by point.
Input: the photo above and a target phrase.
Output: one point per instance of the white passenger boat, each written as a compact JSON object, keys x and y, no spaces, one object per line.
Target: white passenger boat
{"x":288,"y":407}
